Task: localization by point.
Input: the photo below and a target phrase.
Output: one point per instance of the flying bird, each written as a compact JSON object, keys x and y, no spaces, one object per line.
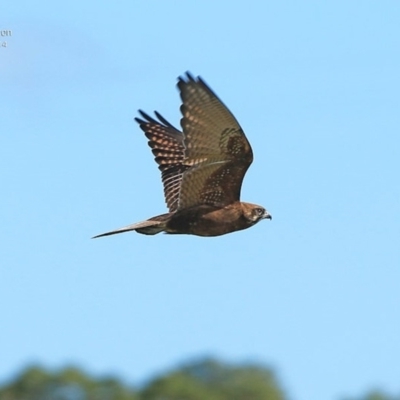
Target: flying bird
{"x":202,"y":167}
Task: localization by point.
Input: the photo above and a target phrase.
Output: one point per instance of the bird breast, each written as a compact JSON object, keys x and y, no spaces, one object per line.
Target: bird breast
{"x":205,"y":220}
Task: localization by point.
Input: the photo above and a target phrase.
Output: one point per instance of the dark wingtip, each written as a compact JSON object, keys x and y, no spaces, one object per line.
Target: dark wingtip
{"x":163,"y":120}
{"x":141,"y":121}
{"x":190,"y":77}
{"x":186,"y":78}
{"x":146,"y":117}
{"x":142,"y":113}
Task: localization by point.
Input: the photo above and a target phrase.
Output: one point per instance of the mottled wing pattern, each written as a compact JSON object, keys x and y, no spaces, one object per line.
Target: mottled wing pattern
{"x":216,"y":149}
{"x":167,"y":146}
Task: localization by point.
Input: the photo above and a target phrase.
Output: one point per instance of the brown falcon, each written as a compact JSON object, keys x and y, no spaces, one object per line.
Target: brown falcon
{"x":202,"y":168}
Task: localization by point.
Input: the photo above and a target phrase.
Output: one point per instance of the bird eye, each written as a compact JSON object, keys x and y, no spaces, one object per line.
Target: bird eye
{"x":258,"y":212}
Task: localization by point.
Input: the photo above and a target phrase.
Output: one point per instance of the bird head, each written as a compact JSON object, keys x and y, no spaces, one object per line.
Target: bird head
{"x":254,"y":213}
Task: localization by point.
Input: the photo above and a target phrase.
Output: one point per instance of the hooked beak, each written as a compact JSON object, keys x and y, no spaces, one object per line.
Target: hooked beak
{"x":267,"y":215}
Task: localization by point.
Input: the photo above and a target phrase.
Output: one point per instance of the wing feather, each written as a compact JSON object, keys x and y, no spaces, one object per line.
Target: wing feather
{"x":216,"y":148}
{"x":167,"y":146}
{"x":206,"y":163}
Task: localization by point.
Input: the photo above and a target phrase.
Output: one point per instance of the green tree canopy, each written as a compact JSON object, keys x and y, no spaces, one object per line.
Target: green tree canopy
{"x":213,"y":380}
{"x":376,"y":395}
{"x":35,"y":383}
{"x":205,"y":379}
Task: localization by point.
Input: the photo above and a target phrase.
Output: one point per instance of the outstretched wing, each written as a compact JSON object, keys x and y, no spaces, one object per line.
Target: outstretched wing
{"x":216,"y":151}
{"x":167,"y":146}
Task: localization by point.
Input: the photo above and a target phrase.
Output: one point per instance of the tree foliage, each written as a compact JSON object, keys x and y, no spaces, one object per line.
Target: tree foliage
{"x":203,"y":380}
{"x":206,"y":379}
{"x":376,"y":395}
{"x":212,"y":380}
{"x":36,"y":383}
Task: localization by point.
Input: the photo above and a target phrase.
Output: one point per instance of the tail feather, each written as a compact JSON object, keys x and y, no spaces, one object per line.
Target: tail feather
{"x":151,"y":226}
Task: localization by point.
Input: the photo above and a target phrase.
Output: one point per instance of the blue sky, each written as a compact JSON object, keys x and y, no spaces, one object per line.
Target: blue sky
{"x":314,"y":293}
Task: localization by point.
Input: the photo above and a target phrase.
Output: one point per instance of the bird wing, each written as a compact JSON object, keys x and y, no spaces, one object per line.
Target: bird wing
{"x":167,"y":146}
{"x":216,"y":151}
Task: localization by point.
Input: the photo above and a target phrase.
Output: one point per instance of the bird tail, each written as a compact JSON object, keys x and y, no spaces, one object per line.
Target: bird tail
{"x":151,"y":226}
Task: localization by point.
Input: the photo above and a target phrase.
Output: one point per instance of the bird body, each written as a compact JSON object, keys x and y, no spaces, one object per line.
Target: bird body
{"x":203,"y":220}
{"x":202,"y":168}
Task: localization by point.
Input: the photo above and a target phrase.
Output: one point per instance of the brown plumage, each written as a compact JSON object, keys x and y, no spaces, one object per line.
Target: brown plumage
{"x":202,"y":169}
